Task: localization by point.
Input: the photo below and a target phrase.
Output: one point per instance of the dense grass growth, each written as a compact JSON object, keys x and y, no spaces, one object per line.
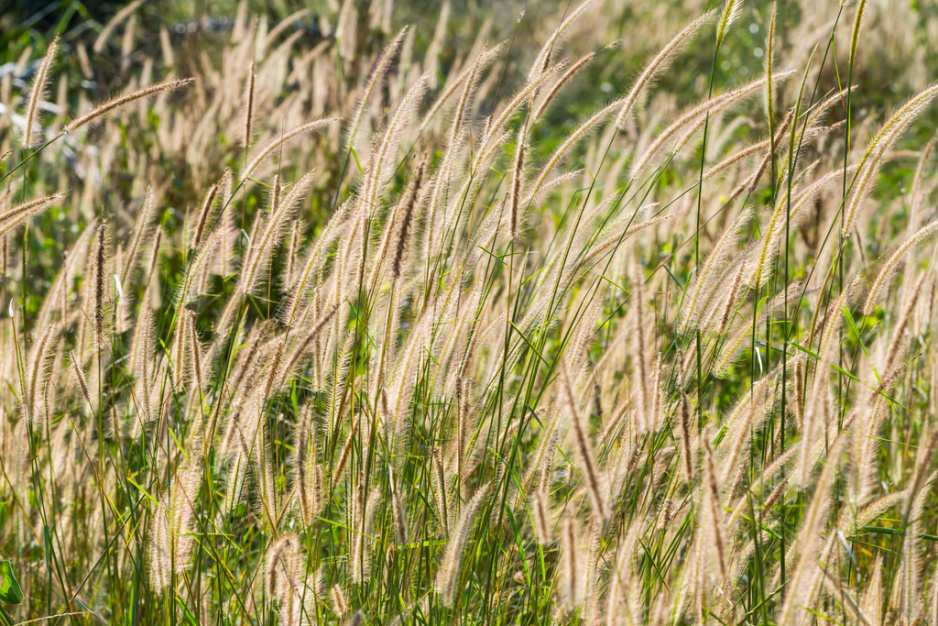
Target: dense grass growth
{"x":353,"y":317}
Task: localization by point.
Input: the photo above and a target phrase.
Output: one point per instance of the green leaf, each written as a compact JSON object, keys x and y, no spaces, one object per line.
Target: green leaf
{"x":10,"y":592}
{"x":837,"y":368}
{"x":856,"y":332}
{"x":189,"y":617}
{"x":143,"y":491}
{"x":833,"y":366}
{"x":761,"y":303}
{"x":361,"y":170}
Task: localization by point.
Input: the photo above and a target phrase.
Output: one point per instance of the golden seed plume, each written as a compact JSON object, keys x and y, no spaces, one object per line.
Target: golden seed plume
{"x":40,"y":83}
{"x":99,"y":112}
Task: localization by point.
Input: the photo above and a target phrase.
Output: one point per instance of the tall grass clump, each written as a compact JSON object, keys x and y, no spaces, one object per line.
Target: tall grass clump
{"x":606,"y":314}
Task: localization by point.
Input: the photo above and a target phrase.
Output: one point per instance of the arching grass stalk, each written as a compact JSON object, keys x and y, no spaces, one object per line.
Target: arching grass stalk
{"x":730,"y":12}
{"x":792,"y":161}
{"x":842,"y":241}
{"x":31,"y":156}
{"x":794,"y":313}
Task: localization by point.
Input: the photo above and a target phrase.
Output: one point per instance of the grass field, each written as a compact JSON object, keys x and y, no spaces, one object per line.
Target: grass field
{"x":463,"y":313}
